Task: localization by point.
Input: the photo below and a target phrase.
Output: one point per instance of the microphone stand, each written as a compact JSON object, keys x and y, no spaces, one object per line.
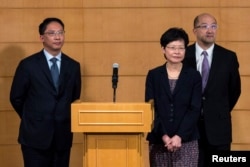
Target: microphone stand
{"x":114,"y":95}
{"x":114,"y":86}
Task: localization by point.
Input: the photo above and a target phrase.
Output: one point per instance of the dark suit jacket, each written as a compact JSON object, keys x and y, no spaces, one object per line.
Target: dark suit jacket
{"x":177,"y":113}
{"x":221,"y":93}
{"x":44,"y":112}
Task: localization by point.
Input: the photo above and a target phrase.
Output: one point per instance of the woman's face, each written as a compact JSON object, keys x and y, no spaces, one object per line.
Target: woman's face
{"x":174,"y":51}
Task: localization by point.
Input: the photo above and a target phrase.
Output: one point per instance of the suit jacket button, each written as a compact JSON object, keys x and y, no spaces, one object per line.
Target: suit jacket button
{"x":203,"y":98}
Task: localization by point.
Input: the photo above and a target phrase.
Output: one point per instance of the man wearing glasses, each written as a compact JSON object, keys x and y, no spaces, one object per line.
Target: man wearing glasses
{"x":219,"y":68}
{"x":44,"y":86}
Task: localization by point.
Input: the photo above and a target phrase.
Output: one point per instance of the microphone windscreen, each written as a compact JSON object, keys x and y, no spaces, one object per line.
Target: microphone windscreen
{"x":115,"y":65}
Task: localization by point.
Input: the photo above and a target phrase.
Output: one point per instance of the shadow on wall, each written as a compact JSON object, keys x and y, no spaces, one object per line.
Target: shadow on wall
{"x":10,"y":56}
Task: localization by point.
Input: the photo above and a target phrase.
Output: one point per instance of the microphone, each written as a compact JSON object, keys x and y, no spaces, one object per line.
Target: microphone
{"x":115,"y":79}
{"x":115,"y":75}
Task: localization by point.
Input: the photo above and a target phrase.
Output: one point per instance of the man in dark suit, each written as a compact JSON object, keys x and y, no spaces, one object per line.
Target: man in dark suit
{"x":222,"y":88}
{"x":43,"y":103}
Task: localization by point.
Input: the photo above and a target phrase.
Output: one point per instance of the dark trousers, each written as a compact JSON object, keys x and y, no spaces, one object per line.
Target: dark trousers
{"x":205,"y":149}
{"x":45,"y":158}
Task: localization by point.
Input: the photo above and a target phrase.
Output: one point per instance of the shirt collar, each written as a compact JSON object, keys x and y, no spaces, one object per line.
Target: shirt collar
{"x":199,"y":50}
{"x":49,"y":56}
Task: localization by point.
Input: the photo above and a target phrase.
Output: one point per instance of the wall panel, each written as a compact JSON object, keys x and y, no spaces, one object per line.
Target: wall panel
{"x":10,"y":155}
{"x":99,"y":89}
{"x":4,"y":95}
{"x":9,"y":123}
{"x":135,"y":24}
{"x":134,"y":58}
{"x":41,"y":4}
{"x":108,"y":25}
{"x":243,"y":102}
{"x":165,"y":3}
{"x":241,"y":126}
{"x":242,"y":51}
{"x":233,"y":25}
{"x":19,"y":26}
{"x":240,"y":147}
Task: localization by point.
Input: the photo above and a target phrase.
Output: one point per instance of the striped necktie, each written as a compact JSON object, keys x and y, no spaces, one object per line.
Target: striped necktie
{"x":204,"y":70}
{"x":54,"y":72}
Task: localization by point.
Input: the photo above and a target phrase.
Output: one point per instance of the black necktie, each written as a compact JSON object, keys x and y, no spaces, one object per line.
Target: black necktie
{"x":54,"y":72}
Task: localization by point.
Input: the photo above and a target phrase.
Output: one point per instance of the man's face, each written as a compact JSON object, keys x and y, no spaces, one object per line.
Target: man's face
{"x":205,"y":30}
{"x":53,"y":38}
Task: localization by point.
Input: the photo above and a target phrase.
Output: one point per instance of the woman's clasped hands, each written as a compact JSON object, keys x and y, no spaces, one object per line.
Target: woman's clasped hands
{"x":172,"y":144}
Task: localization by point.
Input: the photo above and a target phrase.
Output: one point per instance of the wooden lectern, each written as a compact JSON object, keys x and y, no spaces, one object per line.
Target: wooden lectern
{"x":113,"y":132}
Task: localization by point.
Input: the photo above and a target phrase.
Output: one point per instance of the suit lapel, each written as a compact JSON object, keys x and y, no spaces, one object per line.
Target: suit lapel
{"x":182,"y":79}
{"x":164,"y":81}
{"x":190,"y":57}
{"x":44,"y":67}
{"x":42,"y":62}
{"x":215,"y":64}
{"x":64,"y":70}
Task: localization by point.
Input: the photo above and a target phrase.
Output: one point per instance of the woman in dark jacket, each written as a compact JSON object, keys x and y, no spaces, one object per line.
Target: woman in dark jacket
{"x":175,"y":92}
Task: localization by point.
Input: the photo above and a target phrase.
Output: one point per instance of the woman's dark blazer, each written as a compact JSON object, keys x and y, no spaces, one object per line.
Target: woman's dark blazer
{"x":175,"y":113}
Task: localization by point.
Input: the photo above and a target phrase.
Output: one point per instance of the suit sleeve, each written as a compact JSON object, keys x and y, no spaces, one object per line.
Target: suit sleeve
{"x":78,"y":82}
{"x":235,"y":83}
{"x":192,"y":115}
{"x":149,"y":92}
{"x":19,"y":88}
{"x":158,"y":125}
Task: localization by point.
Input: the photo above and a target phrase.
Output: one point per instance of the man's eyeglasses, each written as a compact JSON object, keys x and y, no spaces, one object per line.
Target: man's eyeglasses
{"x":173,"y":48}
{"x":206,"y":26}
{"x":53,"y":33}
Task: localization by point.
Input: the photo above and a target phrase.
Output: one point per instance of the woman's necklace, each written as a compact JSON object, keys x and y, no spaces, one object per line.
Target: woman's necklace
{"x":173,"y":70}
